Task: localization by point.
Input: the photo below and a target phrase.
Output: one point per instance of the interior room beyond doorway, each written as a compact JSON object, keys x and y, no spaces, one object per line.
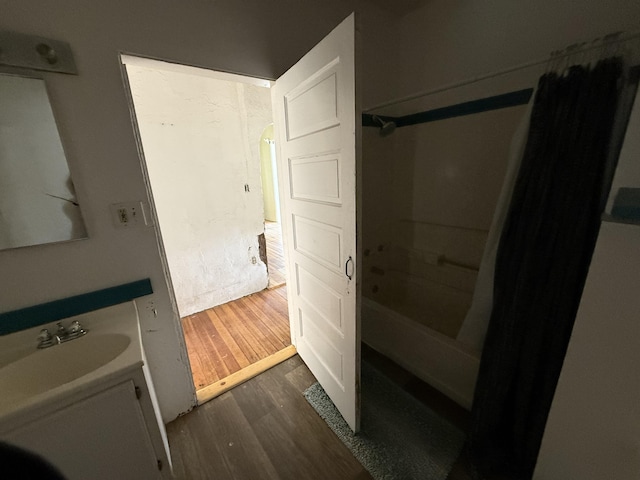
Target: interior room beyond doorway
{"x":209,"y":157}
{"x":230,"y":343}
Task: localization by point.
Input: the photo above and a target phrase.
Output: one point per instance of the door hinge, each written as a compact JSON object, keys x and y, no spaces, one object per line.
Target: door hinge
{"x":138,"y":393}
{"x":159,"y":464}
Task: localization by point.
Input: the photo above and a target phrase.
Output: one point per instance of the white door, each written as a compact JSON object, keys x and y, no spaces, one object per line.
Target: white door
{"x":316,"y":126}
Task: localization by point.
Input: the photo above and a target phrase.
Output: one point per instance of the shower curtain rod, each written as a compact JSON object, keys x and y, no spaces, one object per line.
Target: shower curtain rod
{"x":555,"y":55}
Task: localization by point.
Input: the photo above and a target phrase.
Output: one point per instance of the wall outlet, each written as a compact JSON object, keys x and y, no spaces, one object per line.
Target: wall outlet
{"x":129,"y":214}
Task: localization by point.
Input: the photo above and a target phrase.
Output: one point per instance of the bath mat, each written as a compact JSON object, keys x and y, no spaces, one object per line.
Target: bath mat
{"x":400,"y":438}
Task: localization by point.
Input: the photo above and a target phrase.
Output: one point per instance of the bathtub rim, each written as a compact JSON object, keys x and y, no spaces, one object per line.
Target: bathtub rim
{"x":443,"y":362}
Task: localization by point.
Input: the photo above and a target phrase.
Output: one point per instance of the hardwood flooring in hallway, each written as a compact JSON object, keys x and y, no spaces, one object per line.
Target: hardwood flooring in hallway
{"x":225,"y":339}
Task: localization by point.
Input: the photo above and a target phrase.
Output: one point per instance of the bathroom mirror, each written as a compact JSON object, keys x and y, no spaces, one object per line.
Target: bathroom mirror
{"x":37,"y":199}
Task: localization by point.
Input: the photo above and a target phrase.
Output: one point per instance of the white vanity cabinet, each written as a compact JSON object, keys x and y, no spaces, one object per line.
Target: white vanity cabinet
{"x":88,"y":405}
{"x":103,"y":436}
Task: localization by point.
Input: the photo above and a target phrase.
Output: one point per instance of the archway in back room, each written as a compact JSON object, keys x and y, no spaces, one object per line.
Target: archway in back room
{"x":274,"y":251}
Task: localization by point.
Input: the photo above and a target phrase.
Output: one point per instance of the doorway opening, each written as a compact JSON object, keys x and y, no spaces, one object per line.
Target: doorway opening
{"x":209,"y":161}
{"x":315,"y":105}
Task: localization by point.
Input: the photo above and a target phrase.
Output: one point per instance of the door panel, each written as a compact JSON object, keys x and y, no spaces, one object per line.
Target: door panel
{"x":305,"y":171}
{"x":312,"y":106}
{"x":320,"y":297}
{"x":316,"y":123}
{"x":321,"y":346}
{"x":318,"y":241}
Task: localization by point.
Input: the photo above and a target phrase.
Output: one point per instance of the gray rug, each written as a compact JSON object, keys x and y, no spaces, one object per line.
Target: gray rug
{"x":400,"y":438}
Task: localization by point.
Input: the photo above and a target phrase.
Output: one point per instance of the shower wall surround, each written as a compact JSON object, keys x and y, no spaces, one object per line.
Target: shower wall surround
{"x":424,"y":236}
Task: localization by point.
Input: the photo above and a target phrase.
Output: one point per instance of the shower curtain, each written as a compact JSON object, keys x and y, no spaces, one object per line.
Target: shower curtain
{"x":474,"y":327}
{"x":541,"y":265}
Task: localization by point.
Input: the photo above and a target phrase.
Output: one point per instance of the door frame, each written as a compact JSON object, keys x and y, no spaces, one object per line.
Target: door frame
{"x":139,"y":60}
{"x":232,"y":76}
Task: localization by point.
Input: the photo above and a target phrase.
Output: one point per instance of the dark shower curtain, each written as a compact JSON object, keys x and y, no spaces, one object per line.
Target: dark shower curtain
{"x":541,"y":266}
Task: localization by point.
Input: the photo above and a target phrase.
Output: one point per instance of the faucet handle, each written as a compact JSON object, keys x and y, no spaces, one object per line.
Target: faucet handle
{"x":44,"y":335}
{"x":76,"y":328}
{"x":45,"y":339}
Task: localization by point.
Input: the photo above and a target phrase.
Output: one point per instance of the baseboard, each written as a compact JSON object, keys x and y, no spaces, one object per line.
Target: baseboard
{"x":221,"y":386}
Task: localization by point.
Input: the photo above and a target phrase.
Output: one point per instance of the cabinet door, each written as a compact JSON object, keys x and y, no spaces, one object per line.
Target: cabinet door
{"x":100,"y":437}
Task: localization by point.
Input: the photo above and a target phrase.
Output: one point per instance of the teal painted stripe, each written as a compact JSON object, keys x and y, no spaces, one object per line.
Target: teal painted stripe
{"x":511,"y":99}
{"x":29,"y":317}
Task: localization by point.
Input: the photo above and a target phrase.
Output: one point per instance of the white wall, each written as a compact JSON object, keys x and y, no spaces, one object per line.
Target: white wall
{"x":93,"y":117}
{"x":452,"y":170}
{"x":448,"y":41}
{"x":444,"y":180}
{"x":593,"y":430}
{"x":201,"y":141}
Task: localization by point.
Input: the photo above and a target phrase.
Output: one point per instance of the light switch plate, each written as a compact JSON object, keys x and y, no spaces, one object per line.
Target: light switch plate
{"x":129,"y":214}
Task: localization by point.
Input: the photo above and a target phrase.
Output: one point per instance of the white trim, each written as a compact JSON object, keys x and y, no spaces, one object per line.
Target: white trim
{"x":189,"y":70}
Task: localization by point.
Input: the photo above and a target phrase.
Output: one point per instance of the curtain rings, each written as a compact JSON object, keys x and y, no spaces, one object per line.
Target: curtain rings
{"x":569,"y":57}
{"x":588,"y":54}
{"x":582,"y":55}
{"x":611,"y":45}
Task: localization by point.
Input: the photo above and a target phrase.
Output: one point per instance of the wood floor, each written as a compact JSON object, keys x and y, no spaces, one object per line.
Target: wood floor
{"x":265,"y":429}
{"x":275,"y":254}
{"x":231,"y":343}
{"x":225,"y":339}
{"x":262,"y":429}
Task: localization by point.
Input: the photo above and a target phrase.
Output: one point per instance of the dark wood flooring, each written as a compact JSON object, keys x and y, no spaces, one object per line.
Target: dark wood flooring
{"x":265,"y":429}
{"x":225,"y":339}
{"x":262,"y":429}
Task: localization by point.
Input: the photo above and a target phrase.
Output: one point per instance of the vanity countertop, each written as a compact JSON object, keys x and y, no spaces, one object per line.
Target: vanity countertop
{"x":35,"y":382}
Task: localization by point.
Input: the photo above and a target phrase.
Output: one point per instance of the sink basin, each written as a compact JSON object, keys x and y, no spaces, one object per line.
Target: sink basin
{"x":47,"y":369}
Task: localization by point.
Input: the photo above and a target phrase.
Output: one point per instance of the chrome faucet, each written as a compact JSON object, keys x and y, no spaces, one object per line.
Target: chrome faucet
{"x":45,"y":339}
{"x":76,"y":330}
{"x":61,"y":333}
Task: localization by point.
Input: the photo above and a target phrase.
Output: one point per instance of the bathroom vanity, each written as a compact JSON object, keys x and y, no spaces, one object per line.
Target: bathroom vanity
{"x":86,"y":405}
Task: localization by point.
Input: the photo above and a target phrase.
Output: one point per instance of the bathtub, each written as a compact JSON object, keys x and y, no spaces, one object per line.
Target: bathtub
{"x":442,"y":362}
